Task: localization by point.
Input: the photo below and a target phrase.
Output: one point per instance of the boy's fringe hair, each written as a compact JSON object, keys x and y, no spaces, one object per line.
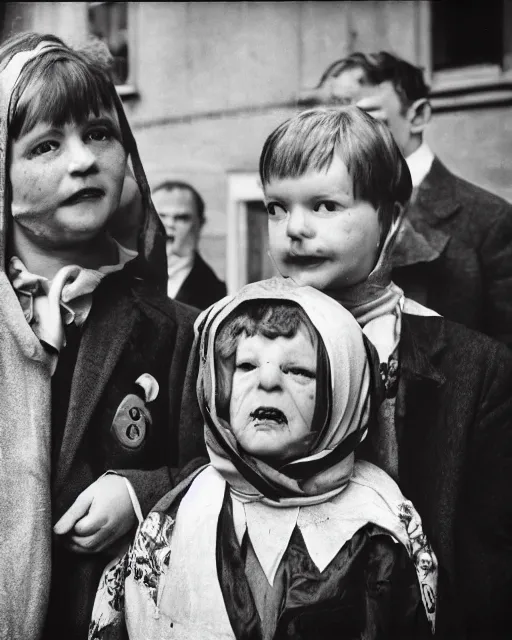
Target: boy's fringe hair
{"x":309,"y":141}
{"x":269,"y":318}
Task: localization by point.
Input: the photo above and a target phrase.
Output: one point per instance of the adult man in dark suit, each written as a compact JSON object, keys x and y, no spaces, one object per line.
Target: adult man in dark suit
{"x":190,"y":279}
{"x":454,"y":253}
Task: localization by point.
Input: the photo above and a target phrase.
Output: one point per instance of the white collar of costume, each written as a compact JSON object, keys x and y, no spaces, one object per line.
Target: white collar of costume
{"x":325,"y":527}
{"x":48,"y":305}
{"x":370,"y":497}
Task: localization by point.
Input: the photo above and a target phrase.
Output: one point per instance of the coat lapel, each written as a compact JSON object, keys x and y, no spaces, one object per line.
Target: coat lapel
{"x":436,"y":198}
{"x":420,"y":239}
{"x":424,"y":238}
{"x":102,"y":344}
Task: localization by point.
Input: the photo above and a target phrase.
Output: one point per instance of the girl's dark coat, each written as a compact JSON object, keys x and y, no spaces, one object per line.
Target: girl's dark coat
{"x":132,"y":329}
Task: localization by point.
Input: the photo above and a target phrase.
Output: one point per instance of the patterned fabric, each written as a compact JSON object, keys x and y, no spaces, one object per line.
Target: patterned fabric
{"x":145,"y":562}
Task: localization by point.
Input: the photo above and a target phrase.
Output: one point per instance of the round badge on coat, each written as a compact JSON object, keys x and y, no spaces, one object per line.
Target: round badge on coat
{"x":131,"y":421}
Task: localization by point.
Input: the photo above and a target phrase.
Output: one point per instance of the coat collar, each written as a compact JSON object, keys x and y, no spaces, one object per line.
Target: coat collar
{"x":436,"y":198}
{"x":417,"y":242}
{"x":420,"y":239}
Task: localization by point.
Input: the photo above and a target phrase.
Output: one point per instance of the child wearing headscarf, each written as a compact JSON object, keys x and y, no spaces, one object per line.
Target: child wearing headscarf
{"x":282,"y":534}
{"x":93,"y":354}
{"x":336,"y":186}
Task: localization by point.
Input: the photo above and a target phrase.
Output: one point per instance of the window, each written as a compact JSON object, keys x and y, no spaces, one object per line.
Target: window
{"x":470,"y":58}
{"x":108,"y":21}
{"x":468,"y":34}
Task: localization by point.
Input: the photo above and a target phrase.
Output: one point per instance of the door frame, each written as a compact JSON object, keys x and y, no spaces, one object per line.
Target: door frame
{"x":243,"y":187}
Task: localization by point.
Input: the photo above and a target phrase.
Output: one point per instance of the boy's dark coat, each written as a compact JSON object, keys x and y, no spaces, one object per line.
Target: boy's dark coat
{"x":454,"y":431}
{"x":201,"y":287}
{"x":466,"y":275}
{"x":132,"y":329}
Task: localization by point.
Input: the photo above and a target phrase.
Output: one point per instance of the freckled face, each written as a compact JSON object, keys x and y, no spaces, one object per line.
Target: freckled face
{"x":66,"y":181}
{"x":319,"y":234}
{"x":273,"y":394}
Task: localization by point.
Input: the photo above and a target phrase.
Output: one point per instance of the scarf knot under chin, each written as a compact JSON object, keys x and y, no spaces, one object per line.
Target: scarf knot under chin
{"x":50,"y":305}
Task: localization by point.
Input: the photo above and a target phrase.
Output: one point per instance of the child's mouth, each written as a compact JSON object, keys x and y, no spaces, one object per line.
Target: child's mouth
{"x":304,"y":262}
{"x":269,"y":414}
{"x":90,"y":193}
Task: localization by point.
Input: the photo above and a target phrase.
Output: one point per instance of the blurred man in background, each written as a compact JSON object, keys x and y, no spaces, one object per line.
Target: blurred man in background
{"x":191,"y":280}
{"x":454,"y":253}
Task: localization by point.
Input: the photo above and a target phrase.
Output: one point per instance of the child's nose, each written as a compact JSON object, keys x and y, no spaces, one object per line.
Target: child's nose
{"x":270,"y":376}
{"x":299,"y":224}
{"x":81,"y":158}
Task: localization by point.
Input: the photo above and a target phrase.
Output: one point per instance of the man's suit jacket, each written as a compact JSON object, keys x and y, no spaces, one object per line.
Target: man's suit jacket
{"x":456,"y":257}
{"x":201,"y":287}
{"x":453,"y":424}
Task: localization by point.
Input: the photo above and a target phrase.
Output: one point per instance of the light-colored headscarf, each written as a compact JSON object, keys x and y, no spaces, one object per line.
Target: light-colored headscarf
{"x":350,"y":405}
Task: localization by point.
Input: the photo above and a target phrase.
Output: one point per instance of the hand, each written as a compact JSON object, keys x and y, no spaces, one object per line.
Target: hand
{"x":99,"y":516}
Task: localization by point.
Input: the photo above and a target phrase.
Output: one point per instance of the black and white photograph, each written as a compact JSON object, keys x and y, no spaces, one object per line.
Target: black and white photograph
{"x":256,"y":320}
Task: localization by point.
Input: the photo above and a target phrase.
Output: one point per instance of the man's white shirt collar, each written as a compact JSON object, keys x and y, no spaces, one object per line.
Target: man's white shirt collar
{"x":178,"y":270}
{"x":419,"y":163}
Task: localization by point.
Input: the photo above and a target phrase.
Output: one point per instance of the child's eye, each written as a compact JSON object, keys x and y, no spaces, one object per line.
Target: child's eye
{"x":45,"y":147}
{"x":245,"y":366}
{"x":276,"y":210}
{"x":326,"y":206}
{"x":301,"y":372}
{"x":99,"y":135}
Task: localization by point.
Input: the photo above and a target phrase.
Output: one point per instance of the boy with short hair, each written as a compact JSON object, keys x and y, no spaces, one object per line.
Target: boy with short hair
{"x":93,"y":355}
{"x":335,"y":187}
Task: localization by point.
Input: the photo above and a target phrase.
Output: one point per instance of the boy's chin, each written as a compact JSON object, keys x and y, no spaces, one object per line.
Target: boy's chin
{"x":308,"y":280}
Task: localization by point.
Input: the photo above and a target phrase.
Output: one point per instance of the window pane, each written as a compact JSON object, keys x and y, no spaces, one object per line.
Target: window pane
{"x":108,"y":21}
{"x":466,"y":34}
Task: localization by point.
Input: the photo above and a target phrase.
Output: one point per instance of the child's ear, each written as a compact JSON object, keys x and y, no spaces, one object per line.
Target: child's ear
{"x":419,"y":114}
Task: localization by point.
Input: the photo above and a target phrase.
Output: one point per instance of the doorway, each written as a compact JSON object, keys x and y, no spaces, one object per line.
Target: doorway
{"x":259,"y":263}
{"x":247,"y":257}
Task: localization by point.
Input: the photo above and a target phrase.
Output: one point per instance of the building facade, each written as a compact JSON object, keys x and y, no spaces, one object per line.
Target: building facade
{"x":204,"y":83}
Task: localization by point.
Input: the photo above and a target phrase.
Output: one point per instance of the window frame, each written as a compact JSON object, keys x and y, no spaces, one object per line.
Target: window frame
{"x":242,"y":188}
